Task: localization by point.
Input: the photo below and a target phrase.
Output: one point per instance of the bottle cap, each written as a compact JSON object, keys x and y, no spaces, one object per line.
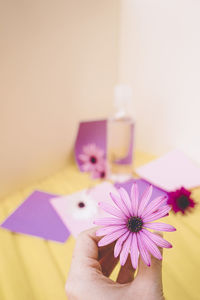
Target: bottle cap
{"x":122,"y":99}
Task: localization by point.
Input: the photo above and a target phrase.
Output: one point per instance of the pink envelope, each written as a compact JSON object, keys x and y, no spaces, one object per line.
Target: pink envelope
{"x":79,"y":210}
{"x":171,"y":171}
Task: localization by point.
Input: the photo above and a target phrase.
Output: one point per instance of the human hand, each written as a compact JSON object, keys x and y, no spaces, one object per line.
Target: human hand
{"x":91,"y":267}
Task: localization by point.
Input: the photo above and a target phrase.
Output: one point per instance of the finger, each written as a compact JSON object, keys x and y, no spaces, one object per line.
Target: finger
{"x":154,"y":272}
{"x":126,"y":273}
{"x":86,"y":246}
{"x":108,"y":263}
{"x":88,"y":238}
{"x":85,"y":257}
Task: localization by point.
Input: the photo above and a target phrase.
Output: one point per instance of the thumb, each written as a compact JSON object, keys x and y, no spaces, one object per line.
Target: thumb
{"x":149,"y":279}
{"x":154,"y":272}
{"x":86,"y":246}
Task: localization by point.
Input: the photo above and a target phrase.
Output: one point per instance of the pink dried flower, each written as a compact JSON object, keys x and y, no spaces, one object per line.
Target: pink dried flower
{"x":180,"y":200}
{"x":101,"y":171}
{"x":129,"y":224}
{"x":91,"y":157}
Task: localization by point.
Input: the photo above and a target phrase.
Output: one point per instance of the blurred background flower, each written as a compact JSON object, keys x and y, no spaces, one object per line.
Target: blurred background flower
{"x":181,"y":200}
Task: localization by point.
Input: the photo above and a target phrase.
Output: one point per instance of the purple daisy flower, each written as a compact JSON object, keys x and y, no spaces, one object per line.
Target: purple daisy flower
{"x":180,"y":200}
{"x":91,"y":157}
{"x":130,"y":223}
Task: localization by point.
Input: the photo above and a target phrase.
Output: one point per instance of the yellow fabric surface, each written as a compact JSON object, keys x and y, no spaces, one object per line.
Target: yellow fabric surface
{"x":35,"y":269}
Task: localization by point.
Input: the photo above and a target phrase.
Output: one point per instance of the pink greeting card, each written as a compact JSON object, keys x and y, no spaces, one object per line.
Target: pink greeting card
{"x":79,"y":210}
{"x":171,"y":171}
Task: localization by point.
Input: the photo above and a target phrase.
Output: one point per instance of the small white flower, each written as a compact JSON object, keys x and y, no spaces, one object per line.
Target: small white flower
{"x":84,"y":207}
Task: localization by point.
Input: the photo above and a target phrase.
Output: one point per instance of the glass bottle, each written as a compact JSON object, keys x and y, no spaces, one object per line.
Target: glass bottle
{"x":120,"y":139}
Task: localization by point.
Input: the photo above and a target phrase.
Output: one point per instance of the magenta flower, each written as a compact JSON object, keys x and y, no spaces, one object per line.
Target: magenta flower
{"x":130,"y":223}
{"x":180,"y":200}
{"x":91,"y":157}
{"x":101,"y":171}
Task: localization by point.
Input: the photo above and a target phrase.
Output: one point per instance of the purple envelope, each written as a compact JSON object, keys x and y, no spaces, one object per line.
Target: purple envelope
{"x":36,"y":216}
{"x":92,"y":132}
{"x":142,"y":185}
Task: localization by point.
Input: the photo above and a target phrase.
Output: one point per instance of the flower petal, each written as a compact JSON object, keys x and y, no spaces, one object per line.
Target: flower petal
{"x":125,"y":250}
{"x":95,"y":174}
{"x":120,"y":204}
{"x":126,"y":200}
{"x":151,"y":246}
{"x":162,"y":212}
{"x":86,"y":150}
{"x":83,"y":157}
{"x":143,"y":251}
{"x":134,"y":198}
{"x":87,"y":167}
{"x":108,"y":230}
{"x":119,"y":243}
{"x":99,"y":152}
{"x":158,"y":240}
{"x":108,"y":239}
{"x":160,"y":226}
{"x":109,"y":221}
{"x":134,"y":252}
{"x":145,"y":199}
{"x":154,"y":205}
{"x":92,"y":148}
{"x":112,"y":210}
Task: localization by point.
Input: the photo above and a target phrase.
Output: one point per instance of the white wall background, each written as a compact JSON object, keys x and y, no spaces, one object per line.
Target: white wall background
{"x":160,"y":57}
{"x":58,"y":65}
